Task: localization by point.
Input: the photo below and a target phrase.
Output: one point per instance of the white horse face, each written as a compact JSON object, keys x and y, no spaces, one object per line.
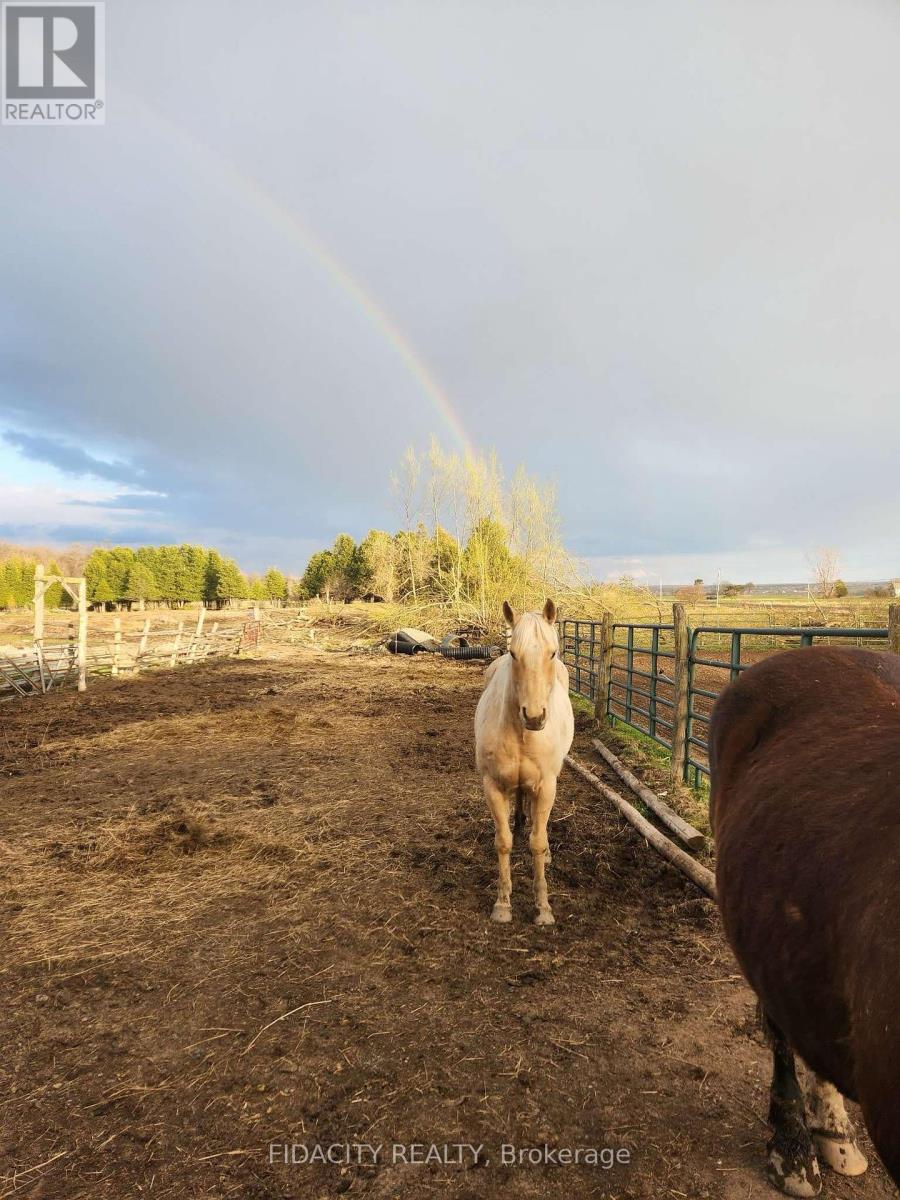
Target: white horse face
{"x":533,"y":648}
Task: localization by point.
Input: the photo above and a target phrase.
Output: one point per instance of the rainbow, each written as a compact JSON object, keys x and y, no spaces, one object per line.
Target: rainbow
{"x":299,"y":234}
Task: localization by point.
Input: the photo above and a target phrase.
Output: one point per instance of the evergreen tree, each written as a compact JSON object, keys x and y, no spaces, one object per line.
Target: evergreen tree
{"x":119,"y":561}
{"x":212,"y":573}
{"x":140,"y":585}
{"x":275,"y":585}
{"x":94,"y":572}
{"x":256,"y":589}
{"x":55,"y":593}
{"x":12,"y":581}
{"x":148,"y":556}
{"x":103,"y":593}
{"x":25,"y":591}
{"x":191,"y":573}
{"x":231,"y":585}
{"x":168,"y":574}
{"x":342,"y":566}
{"x":318,"y":572}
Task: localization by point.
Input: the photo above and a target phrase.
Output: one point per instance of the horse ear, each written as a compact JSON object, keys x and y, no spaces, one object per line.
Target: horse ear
{"x":549,"y":612}
{"x":508,"y":614}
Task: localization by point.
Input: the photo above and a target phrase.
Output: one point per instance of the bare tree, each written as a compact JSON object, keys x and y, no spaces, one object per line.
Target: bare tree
{"x":405,"y":486}
{"x":472,"y":538}
{"x":825,"y":564}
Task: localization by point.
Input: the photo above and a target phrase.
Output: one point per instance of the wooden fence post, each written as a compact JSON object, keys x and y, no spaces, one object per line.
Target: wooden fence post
{"x":604,"y":668}
{"x":39,"y":589}
{"x":82,"y":635}
{"x":142,"y":644}
{"x":117,"y":644}
{"x":680,"y":710}
{"x":198,"y":634}
{"x":177,"y":643}
{"x":894,"y":628}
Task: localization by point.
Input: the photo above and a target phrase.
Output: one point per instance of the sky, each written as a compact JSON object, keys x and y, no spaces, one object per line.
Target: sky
{"x":648,"y":248}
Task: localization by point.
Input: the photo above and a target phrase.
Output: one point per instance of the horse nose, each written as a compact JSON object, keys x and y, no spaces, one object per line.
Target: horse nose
{"x":534,"y":722}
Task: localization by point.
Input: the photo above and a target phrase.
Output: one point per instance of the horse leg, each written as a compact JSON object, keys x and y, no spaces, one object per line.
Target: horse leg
{"x":499,"y":806}
{"x":544,"y":795}
{"x":792,"y":1166}
{"x":832,"y":1129}
{"x":523,"y":816}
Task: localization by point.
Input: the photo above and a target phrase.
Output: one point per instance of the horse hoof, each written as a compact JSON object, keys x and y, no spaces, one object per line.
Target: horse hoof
{"x":794,"y":1175}
{"x":545,"y":917}
{"x":842,"y":1156}
{"x":502,"y":913}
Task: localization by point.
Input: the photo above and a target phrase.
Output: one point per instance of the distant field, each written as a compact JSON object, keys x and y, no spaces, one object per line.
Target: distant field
{"x":364,"y":623}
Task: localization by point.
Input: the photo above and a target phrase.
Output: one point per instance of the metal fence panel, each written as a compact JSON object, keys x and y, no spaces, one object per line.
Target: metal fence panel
{"x":641,"y":692}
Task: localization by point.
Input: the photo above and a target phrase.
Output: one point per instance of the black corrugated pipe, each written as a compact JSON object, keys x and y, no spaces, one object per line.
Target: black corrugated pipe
{"x":464,"y":650}
{"x":469,"y":651}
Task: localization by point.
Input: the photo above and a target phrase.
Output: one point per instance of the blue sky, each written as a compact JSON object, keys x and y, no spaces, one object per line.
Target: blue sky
{"x":650,"y":250}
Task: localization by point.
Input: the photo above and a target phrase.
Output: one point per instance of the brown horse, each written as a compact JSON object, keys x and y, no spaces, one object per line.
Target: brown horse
{"x":805,"y":806}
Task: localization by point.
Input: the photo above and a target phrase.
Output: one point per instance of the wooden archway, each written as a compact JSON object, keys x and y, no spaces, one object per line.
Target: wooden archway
{"x":76,"y":587}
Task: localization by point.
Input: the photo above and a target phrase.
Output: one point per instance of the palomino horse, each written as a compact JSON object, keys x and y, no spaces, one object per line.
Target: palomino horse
{"x":805,"y":805}
{"x":524,"y":727}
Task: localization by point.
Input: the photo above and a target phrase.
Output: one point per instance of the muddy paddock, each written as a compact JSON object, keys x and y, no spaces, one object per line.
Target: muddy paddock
{"x":245,"y":905}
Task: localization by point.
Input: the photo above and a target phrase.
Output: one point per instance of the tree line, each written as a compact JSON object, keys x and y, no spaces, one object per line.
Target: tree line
{"x":170,"y":575}
{"x":17,"y":583}
{"x":470,"y":538}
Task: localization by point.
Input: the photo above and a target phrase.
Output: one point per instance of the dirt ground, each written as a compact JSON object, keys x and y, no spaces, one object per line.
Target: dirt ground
{"x":246,"y":904}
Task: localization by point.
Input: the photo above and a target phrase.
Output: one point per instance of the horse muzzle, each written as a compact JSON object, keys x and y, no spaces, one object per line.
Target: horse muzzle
{"x":534,"y":723}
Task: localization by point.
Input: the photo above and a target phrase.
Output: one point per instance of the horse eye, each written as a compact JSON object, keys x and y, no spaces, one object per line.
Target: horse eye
{"x":553,"y":654}
{"x":511,"y":655}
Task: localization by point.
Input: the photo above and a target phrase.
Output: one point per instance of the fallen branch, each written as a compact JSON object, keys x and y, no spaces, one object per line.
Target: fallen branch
{"x":699,"y":875}
{"x":687,"y":833}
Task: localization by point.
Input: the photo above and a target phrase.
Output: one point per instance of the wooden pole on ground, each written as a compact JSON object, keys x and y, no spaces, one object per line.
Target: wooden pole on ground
{"x":82,"y":635}
{"x":680,"y":710}
{"x":894,"y":628}
{"x":696,"y":872}
{"x":687,"y":833}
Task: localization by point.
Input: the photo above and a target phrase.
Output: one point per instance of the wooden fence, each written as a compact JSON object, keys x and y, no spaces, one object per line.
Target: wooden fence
{"x":53,"y":660}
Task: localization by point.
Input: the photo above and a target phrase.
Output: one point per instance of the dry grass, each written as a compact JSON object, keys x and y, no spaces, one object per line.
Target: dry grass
{"x":360,"y":624}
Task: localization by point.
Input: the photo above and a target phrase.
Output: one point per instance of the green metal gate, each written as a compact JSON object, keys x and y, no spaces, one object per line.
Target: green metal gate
{"x":632,"y":673}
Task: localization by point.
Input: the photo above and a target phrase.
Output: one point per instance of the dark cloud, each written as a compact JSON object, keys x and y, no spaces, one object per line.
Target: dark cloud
{"x":71,"y":459}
